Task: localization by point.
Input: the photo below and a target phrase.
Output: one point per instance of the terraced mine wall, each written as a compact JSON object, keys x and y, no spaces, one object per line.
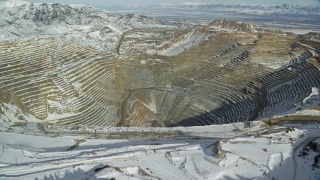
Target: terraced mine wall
{"x":64,"y":83}
{"x":217,"y":79}
{"x":82,"y":87}
{"x":265,"y":97}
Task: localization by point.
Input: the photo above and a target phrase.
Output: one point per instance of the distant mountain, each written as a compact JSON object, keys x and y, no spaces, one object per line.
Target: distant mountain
{"x":53,"y":18}
{"x":247,"y":9}
{"x":259,"y":9}
{"x":53,"y":13}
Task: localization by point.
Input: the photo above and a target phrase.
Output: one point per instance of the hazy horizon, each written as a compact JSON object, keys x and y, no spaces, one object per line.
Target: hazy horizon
{"x":110,"y":3}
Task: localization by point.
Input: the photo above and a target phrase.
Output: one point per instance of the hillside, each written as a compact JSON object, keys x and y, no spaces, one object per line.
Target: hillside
{"x":87,"y":93}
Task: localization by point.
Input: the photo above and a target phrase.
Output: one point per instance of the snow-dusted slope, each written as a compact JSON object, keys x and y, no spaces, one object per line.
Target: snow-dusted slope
{"x":44,"y":14}
{"x":91,"y":26}
{"x":190,"y":37}
{"x":12,"y":3}
{"x":234,"y":151}
{"x":181,"y":41}
{"x":232,"y":25}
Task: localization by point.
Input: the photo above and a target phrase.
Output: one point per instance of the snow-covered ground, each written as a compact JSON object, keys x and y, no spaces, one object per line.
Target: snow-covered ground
{"x":234,"y":151}
{"x":249,"y":150}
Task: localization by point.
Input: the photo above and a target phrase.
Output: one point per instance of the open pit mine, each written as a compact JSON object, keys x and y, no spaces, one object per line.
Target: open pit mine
{"x":78,"y":65}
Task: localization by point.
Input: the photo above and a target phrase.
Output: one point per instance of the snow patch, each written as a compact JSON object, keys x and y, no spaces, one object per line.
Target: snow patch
{"x":184,"y":42}
{"x":13,"y":3}
{"x":275,"y":160}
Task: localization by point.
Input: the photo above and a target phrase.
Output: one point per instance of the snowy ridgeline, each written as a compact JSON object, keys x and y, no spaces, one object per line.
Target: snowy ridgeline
{"x":92,"y":27}
{"x":179,"y":44}
{"x":254,"y":151}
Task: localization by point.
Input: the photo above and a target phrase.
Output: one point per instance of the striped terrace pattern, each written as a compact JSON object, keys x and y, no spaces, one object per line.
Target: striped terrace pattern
{"x":69,"y":84}
{"x":226,"y":88}
{"x":63,"y":83}
{"x":272,"y":94}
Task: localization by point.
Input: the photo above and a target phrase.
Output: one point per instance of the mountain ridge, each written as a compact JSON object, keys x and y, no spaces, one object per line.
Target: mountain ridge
{"x":246,"y":9}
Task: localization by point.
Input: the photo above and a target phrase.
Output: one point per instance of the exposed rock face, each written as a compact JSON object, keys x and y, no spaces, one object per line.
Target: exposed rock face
{"x":154,"y":75}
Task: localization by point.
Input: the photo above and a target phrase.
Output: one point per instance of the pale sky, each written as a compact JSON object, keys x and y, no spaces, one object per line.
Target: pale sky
{"x":109,"y":3}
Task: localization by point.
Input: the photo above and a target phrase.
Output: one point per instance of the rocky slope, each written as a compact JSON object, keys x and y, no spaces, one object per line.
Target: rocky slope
{"x":78,"y":65}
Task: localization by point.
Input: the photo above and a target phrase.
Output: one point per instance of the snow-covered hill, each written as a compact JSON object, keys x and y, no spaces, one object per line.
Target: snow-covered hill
{"x":181,"y":41}
{"x":42,"y":14}
{"x":232,"y":25}
{"x":93,"y":27}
